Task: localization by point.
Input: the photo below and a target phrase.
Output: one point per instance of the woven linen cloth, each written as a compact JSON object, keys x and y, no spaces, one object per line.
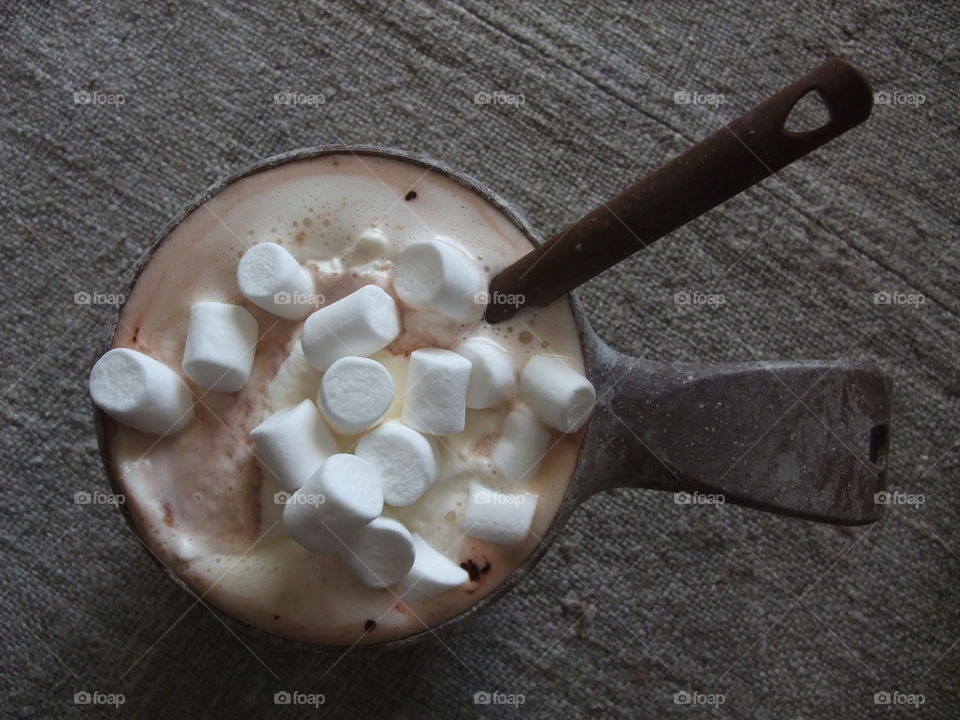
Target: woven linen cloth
{"x":116,"y":115}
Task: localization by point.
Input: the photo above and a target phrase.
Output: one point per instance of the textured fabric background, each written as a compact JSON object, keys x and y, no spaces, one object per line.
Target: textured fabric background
{"x":642,"y":598}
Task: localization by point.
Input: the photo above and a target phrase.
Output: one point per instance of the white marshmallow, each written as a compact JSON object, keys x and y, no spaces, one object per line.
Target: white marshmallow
{"x":221,"y":344}
{"x":362,"y":323}
{"x":436,"y":275}
{"x":407,"y":461}
{"x":343,"y":495}
{"x":136,"y":390}
{"x":498,"y":517}
{"x":272,"y":279}
{"x":561,"y":397}
{"x":371,"y":245}
{"x":522,"y":445}
{"x":355,"y":394}
{"x":293,"y":443}
{"x":316,"y":537}
{"x":381,"y":553}
{"x":432,"y":573}
{"x":435,"y":398}
{"x":305,"y":524}
{"x":492,"y":379}
{"x":351,"y":488}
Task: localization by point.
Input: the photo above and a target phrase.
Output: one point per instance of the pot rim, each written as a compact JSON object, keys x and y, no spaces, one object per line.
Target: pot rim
{"x":588,"y":341}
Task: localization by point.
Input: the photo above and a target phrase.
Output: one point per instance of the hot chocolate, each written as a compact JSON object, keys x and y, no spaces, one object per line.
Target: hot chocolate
{"x":213,"y":511}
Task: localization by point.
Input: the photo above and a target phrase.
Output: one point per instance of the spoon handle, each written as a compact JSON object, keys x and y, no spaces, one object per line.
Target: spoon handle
{"x":807,"y":439}
{"x":737,"y":156}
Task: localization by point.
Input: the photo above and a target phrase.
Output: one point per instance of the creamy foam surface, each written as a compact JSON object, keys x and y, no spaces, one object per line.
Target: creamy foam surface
{"x":200,"y":499}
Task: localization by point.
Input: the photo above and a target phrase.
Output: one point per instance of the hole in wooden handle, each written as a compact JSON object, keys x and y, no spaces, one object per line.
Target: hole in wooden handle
{"x":809,"y":113}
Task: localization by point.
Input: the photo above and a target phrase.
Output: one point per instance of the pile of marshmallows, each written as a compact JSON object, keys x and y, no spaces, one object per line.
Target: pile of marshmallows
{"x":337,"y":498}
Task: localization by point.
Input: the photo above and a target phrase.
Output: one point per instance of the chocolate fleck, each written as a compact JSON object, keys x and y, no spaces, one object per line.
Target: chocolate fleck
{"x":412,"y":195}
{"x":486,"y":568}
{"x":472,"y":569}
{"x":369,"y":625}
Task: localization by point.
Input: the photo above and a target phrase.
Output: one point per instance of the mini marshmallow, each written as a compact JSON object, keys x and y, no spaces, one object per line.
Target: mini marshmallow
{"x":492,"y":379}
{"x":306,"y":526}
{"x":498,"y":517}
{"x":136,"y":390}
{"x":272,"y":279}
{"x":381,"y":553}
{"x":435,"y":398}
{"x":407,"y":461}
{"x":438,"y":276}
{"x":293,"y":443}
{"x":371,"y":244}
{"x":559,"y":396}
{"x":522,"y":445}
{"x":351,"y":488}
{"x":343,"y":495}
{"x":362,"y":323}
{"x":221,"y":343}
{"x":355,"y":394}
{"x":432,"y":573}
